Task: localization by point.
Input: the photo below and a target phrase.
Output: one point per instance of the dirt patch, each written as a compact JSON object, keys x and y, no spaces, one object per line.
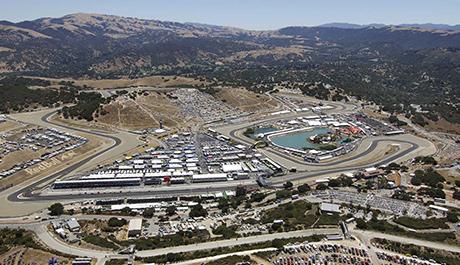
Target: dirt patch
{"x":145,"y":111}
{"x":18,"y":157}
{"x":443,"y":126}
{"x":9,"y":125}
{"x":451,"y":174}
{"x":246,"y":100}
{"x":29,"y":256}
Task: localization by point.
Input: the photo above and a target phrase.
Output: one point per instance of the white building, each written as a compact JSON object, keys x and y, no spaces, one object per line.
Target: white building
{"x":329,"y":207}
{"x":135,"y":227}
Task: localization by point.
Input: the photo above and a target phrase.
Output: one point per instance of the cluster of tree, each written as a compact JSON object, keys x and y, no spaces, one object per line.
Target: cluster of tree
{"x":86,"y":107}
{"x":257,"y":197}
{"x":56,"y":209}
{"x":341,"y":181}
{"x":225,"y":231}
{"x":318,"y":91}
{"x":148,"y":213}
{"x":428,"y":177}
{"x":304,"y":188}
{"x":16,"y":237}
{"x":116,"y":222}
{"x":456,"y":195}
{"x":198,"y":211}
{"x":433,"y":192}
{"x":402,"y":195}
{"x":394,"y":120}
{"x":15,"y":94}
{"x":426,"y":160}
{"x":396,"y":166}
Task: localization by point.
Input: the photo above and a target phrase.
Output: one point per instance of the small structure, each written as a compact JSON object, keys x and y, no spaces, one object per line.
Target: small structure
{"x":372,"y":172}
{"x":73,"y":225}
{"x":228,"y":168}
{"x":135,"y":227}
{"x":439,"y":208}
{"x":329,"y":207}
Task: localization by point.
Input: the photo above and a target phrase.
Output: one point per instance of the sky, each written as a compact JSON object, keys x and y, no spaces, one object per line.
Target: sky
{"x":248,"y":14}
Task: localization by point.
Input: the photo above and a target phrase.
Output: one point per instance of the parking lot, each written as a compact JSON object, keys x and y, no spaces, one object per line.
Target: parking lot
{"x":393,"y":206}
{"x":320,"y":253}
{"x":399,"y":259}
{"x":195,"y":103}
{"x":22,"y":149}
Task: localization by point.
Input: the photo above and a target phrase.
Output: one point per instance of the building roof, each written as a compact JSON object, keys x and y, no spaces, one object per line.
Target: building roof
{"x":231,"y":167}
{"x":73,"y":224}
{"x":135,"y":224}
{"x":210,"y":176}
{"x":330,"y":207}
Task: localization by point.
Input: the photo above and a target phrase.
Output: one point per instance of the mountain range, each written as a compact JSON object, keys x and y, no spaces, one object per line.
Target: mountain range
{"x":393,"y":66}
{"x":103,"y":45}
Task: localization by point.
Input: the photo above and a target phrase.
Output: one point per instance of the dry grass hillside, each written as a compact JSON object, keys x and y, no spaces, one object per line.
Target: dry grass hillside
{"x":160,"y":81}
{"x":246,"y":100}
{"x":145,"y":111}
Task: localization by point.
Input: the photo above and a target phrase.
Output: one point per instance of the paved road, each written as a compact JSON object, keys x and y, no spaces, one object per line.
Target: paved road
{"x":49,"y":240}
{"x":114,"y":145}
{"x":236,"y":242}
{"x":366,"y":236}
{"x":26,"y":191}
{"x":208,"y":259}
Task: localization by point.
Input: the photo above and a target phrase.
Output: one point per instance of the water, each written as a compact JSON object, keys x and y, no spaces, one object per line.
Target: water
{"x":299,"y":140}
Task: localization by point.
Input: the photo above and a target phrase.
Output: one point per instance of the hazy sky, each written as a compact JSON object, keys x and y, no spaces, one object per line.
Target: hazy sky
{"x":249,"y":14}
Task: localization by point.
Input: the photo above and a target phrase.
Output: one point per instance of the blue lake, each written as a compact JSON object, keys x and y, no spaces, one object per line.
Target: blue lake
{"x":299,"y":140}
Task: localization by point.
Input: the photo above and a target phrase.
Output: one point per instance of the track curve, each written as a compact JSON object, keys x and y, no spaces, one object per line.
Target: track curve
{"x":26,"y":191}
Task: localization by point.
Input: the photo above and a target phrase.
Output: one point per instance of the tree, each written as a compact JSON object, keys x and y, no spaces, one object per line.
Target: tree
{"x":321,"y":186}
{"x":277,"y":243}
{"x":288,"y":185}
{"x":225,"y":231}
{"x":257,"y":197}
{"x":360,"y":224}
{"x":452,"y":217}
{"x":171,"y":210}
{"x":283,"y":194}
{"x":223,"y":205}
{"x":456,"y":195}
{"x":56,"y":209}
{"x":303,"y":188}
{"x":148,"y":213}
{"x":116,"y":222}
{"x":240,"y":191}
{"x":197,"y":211}
{"x":126,"y":210}
{"x":457,"y":183}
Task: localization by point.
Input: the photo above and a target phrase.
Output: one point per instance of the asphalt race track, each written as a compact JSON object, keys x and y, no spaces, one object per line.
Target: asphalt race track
{"x":25,"y":194}
{"x":26,"y":191}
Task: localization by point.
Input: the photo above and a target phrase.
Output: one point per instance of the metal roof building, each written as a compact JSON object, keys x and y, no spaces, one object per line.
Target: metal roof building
{"x":329,"y":207}
{"x":135,"y":227}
